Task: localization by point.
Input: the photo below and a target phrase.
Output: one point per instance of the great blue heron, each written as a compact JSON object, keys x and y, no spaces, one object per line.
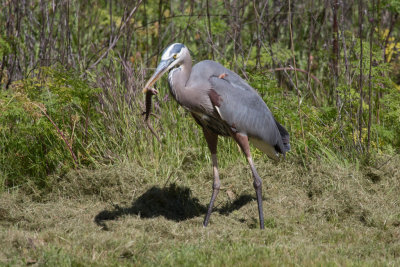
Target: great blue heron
{"x":222,"y":103}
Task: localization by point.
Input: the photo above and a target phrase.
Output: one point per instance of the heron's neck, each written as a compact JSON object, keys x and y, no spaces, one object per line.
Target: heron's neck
{"x":179,"y":78}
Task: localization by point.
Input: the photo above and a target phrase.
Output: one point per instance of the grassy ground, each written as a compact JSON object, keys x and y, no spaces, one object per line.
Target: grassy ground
{"x":125,"y":214}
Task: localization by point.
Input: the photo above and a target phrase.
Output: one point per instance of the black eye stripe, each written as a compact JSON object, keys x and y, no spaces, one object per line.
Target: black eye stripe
{"x":174,"y":49}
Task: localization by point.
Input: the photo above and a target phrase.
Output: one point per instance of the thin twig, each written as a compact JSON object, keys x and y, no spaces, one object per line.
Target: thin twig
{"x":370,"y":76}
{"x":209,"y":32}
{"x":114,"y":42}
{"x":386,"y":162}
{"x":299,"y":70}
{"x":303,"y":71}
{"x":59,"y":132}
{"x":294,"y":64}
{"x":360,"y":112}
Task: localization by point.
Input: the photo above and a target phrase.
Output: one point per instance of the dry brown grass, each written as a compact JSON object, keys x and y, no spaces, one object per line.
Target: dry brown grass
{"x":125,"y":215}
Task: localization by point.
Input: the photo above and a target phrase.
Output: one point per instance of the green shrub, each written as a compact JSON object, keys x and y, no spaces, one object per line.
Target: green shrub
{"x":45,"y":126}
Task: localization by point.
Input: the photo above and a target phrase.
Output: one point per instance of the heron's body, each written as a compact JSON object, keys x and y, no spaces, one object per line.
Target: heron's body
{"x":223,"y":104}
{"x":226,"y":104}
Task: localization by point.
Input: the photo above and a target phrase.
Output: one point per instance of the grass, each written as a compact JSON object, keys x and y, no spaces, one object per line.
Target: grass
{"x":128,"y":214}
{"x":146,"y":206}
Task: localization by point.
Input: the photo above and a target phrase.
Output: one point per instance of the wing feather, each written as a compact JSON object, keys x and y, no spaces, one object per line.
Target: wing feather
{"x":239,"y":105}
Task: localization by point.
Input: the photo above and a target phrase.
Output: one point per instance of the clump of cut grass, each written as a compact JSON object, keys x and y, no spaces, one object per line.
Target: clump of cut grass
{"x":125,"y":215}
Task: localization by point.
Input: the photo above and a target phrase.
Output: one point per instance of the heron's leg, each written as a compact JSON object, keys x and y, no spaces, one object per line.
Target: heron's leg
{"x":212,"y":140}
{"x":243,"y":142}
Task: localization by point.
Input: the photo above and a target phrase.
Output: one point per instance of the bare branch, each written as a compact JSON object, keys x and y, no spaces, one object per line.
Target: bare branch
{"x":114,"y":42}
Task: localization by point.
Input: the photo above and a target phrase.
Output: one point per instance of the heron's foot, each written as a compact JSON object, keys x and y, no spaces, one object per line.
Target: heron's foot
{"x":153,"y":91}
{"x":152,"y":114}
{"x":216,"y":188}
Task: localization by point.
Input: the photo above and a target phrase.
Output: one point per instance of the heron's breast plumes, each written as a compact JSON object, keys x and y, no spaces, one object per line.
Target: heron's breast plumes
{"x":172,"y":85}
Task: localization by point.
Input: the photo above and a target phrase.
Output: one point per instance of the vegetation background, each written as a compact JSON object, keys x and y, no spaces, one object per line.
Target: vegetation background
{"x":83,"y":182}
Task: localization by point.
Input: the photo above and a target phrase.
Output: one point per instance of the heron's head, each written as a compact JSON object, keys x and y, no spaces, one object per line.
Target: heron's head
{"x":172,"y":56}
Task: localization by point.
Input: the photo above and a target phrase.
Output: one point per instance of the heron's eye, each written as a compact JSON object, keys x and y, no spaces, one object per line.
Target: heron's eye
{"x":175,"y":56}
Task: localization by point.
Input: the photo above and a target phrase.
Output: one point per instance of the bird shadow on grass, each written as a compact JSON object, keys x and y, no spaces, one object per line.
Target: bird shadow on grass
{"x":172,"y":202}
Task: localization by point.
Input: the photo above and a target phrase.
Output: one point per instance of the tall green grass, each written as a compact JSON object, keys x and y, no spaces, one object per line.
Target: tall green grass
{"x":55,"y":121}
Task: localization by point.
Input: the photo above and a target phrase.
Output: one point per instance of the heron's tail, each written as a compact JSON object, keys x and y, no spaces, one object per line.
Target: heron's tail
{"x":285,"y":136}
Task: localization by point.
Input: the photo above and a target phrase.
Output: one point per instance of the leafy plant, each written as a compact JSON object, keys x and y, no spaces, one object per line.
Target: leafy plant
{"x":46,"y":126}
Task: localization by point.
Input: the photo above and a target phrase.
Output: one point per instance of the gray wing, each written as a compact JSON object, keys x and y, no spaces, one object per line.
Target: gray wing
{"x":240,"y":106}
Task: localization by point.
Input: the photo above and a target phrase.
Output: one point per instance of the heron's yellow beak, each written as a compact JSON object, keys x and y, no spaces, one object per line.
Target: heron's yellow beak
{"x":163,"y":67}
{"x":152,"y":80}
